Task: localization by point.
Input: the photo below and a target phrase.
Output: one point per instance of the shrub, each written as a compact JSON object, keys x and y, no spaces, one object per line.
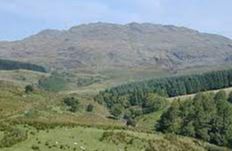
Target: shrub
{"x":12,"y":137}
{"x":131,"y":122}
{"x":116,"y":110}
{"x":34,"y":147}
{"x":72,"y":103}
{"x":29,"y":89}
{"x":89,"y":108}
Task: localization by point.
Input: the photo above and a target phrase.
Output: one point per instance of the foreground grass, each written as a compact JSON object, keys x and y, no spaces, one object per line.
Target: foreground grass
{"x":93,"y":139}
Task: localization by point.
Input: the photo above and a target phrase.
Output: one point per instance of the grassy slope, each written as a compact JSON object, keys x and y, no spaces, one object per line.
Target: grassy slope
{"x":39,"y":105}
{"x":109,"y":78}
{"x":93,"y":82}
{"x":148,"y":121}
{"x":91,"y":139}
{"x":227,"y":90}
{"x":47,"y":107}
{"x":116,"y":77}
{"x":21,"y":77}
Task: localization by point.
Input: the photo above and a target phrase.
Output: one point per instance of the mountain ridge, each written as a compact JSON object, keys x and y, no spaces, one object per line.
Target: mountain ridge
{"x":104,"y":45}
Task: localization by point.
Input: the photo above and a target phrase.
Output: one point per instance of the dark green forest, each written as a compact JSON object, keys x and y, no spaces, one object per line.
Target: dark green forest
{"x":178,"y":85}
{"x":15,"y":65}
{"x":131,"y":100}
{"x":206,"y":116}
{"x":172,"y":86}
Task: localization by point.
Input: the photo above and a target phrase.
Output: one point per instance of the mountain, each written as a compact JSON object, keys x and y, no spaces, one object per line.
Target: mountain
{"x":102,"y":45}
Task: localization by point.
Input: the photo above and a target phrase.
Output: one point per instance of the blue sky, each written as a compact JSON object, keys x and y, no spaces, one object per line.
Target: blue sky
{"x":21,"y":18}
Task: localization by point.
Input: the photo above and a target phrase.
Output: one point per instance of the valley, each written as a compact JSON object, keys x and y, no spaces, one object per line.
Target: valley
{"x":43,"y":115}
{"x":100,"y":87}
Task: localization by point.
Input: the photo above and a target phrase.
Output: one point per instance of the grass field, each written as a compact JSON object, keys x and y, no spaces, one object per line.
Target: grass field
{"x":92,"y":139}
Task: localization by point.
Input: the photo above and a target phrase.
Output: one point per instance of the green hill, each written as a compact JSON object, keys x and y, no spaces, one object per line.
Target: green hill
{"x":40,"y":121}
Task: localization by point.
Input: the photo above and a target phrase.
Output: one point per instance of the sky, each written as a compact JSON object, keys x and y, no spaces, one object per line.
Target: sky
{"x":22,"y":18}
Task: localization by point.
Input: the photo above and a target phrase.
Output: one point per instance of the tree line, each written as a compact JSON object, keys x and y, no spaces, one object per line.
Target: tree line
{"x":14,"y":65}
{"x":171,"y":86}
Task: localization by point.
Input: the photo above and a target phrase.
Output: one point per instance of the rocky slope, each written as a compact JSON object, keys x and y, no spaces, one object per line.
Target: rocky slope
{"x":102,"y":46}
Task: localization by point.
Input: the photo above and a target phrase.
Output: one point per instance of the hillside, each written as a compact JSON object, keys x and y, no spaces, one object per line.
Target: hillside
{"x":105,"y":46}
{"x":39,"y":121}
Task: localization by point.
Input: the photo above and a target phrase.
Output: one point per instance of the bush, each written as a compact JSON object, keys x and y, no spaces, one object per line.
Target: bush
{"x":89,"y":108}
{"x":131,"y":122}
{"x":116,"y":110}
{"x":12,"y":137}
{"x":29,"y":89}
{"x":34,"y":147}
{"x":72,"y":103}
{"x":135,"y":112}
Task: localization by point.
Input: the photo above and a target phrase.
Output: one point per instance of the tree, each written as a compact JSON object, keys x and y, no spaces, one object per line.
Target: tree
{"x":170,"y":120}
{"x":135,"y":112}
{"x":29,"y":88}
{"x":116,"y":110}
{"x":221,"y":95}
{"x":127,"y":115}
{"x":89,"y":108}
{"x":153,"y":102}
{"x":189,"y":129}
{"x":230,"y":98}
{"x":72,"y":103}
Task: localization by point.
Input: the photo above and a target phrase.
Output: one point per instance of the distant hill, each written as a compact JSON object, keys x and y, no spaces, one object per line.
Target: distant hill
{"x":15,"y":65}
{"x":102,"y":46}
